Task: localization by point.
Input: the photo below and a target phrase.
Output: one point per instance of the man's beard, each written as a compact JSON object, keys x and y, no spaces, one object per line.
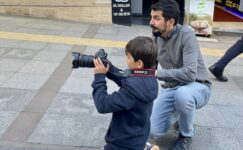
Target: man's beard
{"x":156,"y":32}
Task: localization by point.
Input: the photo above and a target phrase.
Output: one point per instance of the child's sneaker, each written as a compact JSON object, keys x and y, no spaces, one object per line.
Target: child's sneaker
{"x":150,"y":146}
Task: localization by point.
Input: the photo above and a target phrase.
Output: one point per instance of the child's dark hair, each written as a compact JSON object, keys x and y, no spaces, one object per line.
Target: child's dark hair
{"x":170,"y":9}
{"x":144,"y":49}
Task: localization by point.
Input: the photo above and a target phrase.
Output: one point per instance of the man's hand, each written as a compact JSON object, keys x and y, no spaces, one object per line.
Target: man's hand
{"x":100,"y":67}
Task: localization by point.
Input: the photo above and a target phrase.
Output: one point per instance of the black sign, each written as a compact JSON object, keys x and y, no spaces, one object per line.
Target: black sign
{"x":121,"y":12}
{"x":220,"y":2}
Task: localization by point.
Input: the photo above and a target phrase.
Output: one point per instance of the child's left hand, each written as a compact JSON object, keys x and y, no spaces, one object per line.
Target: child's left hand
{"x":100,"y":67}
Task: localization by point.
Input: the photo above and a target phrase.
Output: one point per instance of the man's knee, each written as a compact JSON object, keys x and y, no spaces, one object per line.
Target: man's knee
{"x":184,"y":99}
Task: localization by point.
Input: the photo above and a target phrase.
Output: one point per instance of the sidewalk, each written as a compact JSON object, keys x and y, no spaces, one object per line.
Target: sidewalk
{"x":45,"y":105}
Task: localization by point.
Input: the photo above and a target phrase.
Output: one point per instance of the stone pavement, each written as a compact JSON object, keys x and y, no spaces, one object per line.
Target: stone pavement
{"x":45,"y":105}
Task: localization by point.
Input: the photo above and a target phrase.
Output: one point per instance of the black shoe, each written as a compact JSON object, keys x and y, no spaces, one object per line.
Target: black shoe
{"x":182,"y":143}
{"x":218,"y":73}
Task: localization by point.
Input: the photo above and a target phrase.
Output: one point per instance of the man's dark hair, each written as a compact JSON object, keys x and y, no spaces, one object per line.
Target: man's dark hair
{"x":170,"y":9}
{"x":144,"y":49}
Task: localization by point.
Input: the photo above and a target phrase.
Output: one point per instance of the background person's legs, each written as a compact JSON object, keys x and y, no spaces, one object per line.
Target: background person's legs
{"x":230,"y":54}
{"x":218,"y":68}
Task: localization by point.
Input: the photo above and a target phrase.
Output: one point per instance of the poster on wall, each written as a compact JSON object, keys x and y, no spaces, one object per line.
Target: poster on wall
{"x":200,"y":16}
{"x":121,"y":12}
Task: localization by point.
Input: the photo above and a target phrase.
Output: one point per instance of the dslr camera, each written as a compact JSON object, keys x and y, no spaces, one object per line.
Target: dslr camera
{"x":81,"y":60}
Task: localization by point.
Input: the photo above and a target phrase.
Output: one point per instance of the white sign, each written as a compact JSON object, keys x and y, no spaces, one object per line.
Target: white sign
{"x":123,"y":1}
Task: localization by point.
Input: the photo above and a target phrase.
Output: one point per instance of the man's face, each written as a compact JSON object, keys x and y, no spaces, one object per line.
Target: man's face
{"x":158,"y":23}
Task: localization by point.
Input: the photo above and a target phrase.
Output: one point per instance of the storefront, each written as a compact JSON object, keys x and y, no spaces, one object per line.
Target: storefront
{"x":140,"y":11}
{"x":228,"y":11}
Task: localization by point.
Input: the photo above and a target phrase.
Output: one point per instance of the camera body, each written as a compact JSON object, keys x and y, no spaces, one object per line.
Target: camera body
{"x":81,"y":60}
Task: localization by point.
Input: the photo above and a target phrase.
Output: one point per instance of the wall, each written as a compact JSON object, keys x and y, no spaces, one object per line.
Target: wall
{"x":96,"y":11}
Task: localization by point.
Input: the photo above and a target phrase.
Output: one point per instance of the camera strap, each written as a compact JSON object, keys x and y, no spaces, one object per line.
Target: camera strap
{"x":142,"y":72}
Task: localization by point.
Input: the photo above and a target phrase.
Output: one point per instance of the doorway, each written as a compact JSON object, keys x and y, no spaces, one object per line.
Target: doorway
{"x":141,"y":11}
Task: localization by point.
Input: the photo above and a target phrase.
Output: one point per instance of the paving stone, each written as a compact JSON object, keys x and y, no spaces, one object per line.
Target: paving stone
{"x":11,"y":65}
{"x":49,"y":32}
{"x":26,"y":30}
{"x":31,"y":45}
{"x":8,"y":28}
{"x":5,"y":76}
{"x":236,"y":70}
{"x":77,"y":85}
{"x":233,"y":116}
{"x":49,"y":147}
{"x":7,"y":117}
{"x":118,"y":52}
{"x":3,"y":50}
{"x":15,"y":99}
{"x":72,"y":104}
{"x":72,"y":34}
{"x":78,"y":27}
{"x":76,"y":130}
{"x":83,"y":85}
{"x":82,"y":73}
{"x":58,"y":47}
{"x":241,"y":143}
{"x":209,"y":138}
{"x":56,"y":26}
{"x":105,"y":36}
{"x":16,"y":53}
{"x":231,"y":85}
{"x":238,"y":133}
{"x":108,"y":29}
{"x":216,"y":118}
{"x":25,"y":81}
{"x":126,"y":36}
{"x":35,"y":25}
{"x":9,"y":43}
{"x":50,"y":56}
{"x":118,"y":61}
{"x":224,"y":98}
{"x":11,"y":147}
{"x":39,"y":67}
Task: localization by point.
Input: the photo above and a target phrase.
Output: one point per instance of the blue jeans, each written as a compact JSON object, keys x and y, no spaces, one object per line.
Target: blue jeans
{"x":235,"y":50}
{"x":178,"y":103}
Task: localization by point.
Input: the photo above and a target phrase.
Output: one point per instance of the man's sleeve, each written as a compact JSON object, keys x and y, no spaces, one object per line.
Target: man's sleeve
{"x":107,"y":103}
{"x":187,"y":73}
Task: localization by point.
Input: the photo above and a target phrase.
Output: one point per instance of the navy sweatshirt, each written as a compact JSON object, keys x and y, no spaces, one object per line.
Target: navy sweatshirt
{"x":131,"y":107}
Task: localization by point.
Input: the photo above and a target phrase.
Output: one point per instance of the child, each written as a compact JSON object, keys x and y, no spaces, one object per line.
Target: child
{"x":131,"y":105}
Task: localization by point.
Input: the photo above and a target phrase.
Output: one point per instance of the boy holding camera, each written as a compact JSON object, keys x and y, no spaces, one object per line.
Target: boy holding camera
{"x":131,"y":105}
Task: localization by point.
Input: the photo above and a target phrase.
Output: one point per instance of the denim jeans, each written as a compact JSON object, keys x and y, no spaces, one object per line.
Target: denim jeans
{"x":235,"y":50}
{"x":178,"y":103}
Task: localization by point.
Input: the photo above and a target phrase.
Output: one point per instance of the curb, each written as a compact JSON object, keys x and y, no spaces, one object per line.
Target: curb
{"x":6,"y":145}
{"x":228,"y":32}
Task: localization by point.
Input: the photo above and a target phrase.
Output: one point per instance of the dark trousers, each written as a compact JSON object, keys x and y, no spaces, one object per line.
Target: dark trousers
{"x":230,"y":54}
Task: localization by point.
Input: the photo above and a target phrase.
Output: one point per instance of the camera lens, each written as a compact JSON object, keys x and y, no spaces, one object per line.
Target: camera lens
{"x":82,"y":60}
{"x":86,"y":61}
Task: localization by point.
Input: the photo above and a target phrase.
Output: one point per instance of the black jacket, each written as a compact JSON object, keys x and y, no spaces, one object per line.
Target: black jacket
{"x":131,"y":106}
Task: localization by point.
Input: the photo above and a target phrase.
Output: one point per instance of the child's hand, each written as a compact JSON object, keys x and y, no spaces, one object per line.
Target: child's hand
{"x":100,"y":67}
